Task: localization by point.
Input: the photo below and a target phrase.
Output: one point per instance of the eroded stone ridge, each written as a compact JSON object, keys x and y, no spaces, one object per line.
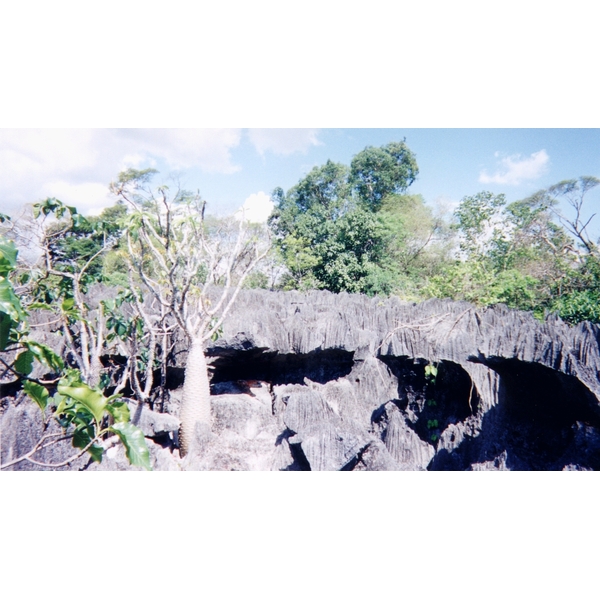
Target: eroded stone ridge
{"x":322,"y":381}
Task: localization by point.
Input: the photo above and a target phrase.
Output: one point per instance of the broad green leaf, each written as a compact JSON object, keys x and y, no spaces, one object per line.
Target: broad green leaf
{"x":6,"y":324}
{"x":431,"y":371}
{"x":82,"y":436}
{"x":8,"y":256}
{"x":61,"y":403}
{"x":39,"y":306}
{"x":97,"y":452}
{"x":45,"y":355}
{"x":71,"y":378}
{"x":67,"y":304}
{"x":9,"y":303}
{"x":24,"y":362}
{"x":135,"y":444}
{"x":92,"y":400}
{"x":78,"y":220}
{"x":119,"y":411}
{"x":38,"y":393}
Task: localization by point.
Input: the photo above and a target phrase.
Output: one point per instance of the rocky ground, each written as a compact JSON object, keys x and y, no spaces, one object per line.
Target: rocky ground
{"x":320,"y":381}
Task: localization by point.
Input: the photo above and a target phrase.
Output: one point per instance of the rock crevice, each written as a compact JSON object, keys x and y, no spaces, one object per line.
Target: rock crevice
{"x":320,"y":381}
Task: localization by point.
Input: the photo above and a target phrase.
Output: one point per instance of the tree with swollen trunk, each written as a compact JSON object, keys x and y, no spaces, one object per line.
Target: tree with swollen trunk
{"x":193,"y":267}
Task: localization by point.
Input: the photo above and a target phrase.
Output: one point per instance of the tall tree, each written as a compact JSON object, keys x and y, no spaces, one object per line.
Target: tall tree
{"x":416,"y":239}
{"x":533,"y":254}
{"x":192,"y":268}
{"x":329,"y":227}
{"x":378,"y":172}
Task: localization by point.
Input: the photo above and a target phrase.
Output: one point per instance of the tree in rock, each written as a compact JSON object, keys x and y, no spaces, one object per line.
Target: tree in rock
{"x":192,"y":267}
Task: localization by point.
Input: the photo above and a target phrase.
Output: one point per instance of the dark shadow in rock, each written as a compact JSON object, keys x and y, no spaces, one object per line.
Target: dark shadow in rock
{"x":300,"y":461}
{"x":432,"y":402}
{"x":10,"y":389}
{"x":319,"y":366}
{"x":355,"y":460}
{"x":380,"y":413}
{"x":175,"y":377}
{"x":286,"y":434}
{"x":544,"y":420}
{"x":164,"y":440}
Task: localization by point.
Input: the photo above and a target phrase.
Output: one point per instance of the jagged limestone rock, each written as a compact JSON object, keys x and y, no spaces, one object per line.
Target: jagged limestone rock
{"x":323,"y":381}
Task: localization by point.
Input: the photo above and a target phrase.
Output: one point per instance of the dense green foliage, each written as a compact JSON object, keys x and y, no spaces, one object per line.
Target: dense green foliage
{"x":375,"y":173}
{"x":355,"y":229}
{"x":527,"y":255}
{"x":84,"y":413}
{"x":348,"y":228}
{"x":85,"y":241}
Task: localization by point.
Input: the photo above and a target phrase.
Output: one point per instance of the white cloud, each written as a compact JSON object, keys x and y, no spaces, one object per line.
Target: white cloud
{"x":89,"y":198}
{"x":34,"y":162}
{"x":208,"y":149}
{"x":26,"y":153}
{"x":514,"y":169}
{"x":256,"y":208}
{"x":135,"y":161}
{"x":283,"y":141}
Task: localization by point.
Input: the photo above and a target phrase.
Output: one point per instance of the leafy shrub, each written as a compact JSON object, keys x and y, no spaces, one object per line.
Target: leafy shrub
{"x":578,"y":306}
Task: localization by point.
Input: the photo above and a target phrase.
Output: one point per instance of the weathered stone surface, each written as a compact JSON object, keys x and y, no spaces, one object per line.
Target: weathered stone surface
{"x":328,"y":441}
{"x":404,"y":445}
{"x":326,"y":382}
{"x":153,"y":424}
{"x":375,"y":457}
{"x":243,"y":437}
{"x":499,"y":373}
{"x":22,"y":427}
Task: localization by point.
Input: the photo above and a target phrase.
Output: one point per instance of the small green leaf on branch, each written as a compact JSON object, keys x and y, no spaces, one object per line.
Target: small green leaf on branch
{"x":119,"y":412}
{"x":38,"y":393}
{"x":24,"y":362}
{"x":135,"y":444}
{"x":92,"y":400}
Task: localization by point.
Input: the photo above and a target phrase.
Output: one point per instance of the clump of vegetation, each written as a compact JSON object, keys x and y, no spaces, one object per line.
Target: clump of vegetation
{"x":170,"y":268}
{"x":85,"y":415}
{"x":355,"y":229}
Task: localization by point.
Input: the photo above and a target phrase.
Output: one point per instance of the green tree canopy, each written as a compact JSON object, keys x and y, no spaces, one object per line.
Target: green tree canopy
{"x":329,"y":227}
{"x":377,"y":172}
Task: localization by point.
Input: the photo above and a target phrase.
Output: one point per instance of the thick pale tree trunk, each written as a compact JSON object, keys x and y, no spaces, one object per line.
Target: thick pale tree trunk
{"x":195,"y":405}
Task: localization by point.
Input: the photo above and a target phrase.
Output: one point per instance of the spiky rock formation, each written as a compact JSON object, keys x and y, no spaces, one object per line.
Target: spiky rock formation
{"x":320,"y":381}
{"x":350,"y":388}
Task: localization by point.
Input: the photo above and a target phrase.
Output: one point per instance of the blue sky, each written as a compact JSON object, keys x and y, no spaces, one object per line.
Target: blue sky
{"x":452,"y":162}
{"x":231,"y":167}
